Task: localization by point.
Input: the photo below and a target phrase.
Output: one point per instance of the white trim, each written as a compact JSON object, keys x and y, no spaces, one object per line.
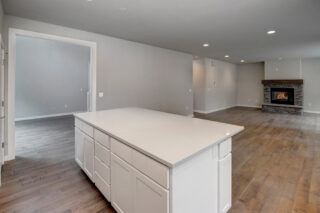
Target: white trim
{"x":11,"y":78}
{"x":45,"y":116}
{"x":212,"y":110}
{"x":251,"y":106}
{"x":310,"y":111}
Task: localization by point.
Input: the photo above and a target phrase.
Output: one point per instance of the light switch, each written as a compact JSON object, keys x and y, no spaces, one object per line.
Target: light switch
{"x":100,"y":94}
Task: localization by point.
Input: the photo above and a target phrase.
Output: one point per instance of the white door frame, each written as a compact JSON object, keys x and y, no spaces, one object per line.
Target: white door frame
{"x":10,"y":118}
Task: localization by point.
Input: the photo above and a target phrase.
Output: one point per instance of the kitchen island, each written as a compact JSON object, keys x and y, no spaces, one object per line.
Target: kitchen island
{"x":147,"y":161}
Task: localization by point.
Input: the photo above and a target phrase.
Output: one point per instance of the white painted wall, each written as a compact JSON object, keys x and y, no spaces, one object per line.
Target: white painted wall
{"x":52,"y":77}
{"x":250,"y":88}
{"x":311,"y":75}
{"x":219,"y":84}
{"x":283,"y":69}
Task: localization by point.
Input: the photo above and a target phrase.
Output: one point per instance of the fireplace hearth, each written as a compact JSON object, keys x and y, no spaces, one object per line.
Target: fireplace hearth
{"x":284,"y":96}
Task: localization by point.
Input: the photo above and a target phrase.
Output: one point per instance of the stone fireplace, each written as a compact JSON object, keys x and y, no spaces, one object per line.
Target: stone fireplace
{"x":285,"y":96}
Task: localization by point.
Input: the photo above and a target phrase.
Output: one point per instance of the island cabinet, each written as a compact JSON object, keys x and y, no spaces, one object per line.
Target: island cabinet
{"x":163,"y":172}
{"x":138,"y":183}
{"x":84,"y":147}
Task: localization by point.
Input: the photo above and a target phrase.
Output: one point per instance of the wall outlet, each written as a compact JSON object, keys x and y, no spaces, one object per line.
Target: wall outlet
{"x":81,"y":89}
{"x":309,"y":104}
{"x":66,"y":106}
{"x":100,"y":94}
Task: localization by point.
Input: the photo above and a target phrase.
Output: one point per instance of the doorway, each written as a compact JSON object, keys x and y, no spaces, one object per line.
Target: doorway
{"x":16,"y":93}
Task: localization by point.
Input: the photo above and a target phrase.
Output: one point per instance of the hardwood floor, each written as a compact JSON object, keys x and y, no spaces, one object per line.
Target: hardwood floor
{"x":276,"y":161}
{"x":44,"y":177}
{"x":276,"y":166}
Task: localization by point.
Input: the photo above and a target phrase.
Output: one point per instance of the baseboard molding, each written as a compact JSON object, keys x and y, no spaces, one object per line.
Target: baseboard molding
{"x":191,"y":115}
{"x":8,"y":158}
{"x":213,"y":110}
{"x":45,"y":116}
{"x":310,"y":111}
{"x":251,"y":106}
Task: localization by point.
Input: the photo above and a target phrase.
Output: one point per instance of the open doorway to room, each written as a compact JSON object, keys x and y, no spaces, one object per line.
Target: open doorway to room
{"x":51,"y":83}
{"x":49,"y":79}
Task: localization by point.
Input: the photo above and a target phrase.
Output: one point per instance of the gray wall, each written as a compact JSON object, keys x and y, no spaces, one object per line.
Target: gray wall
{"x":129,"y":73}
{"x":311,"y":75}
{"x":51,"y":77}
{"x":216,"y":85}
{"x":307,"y":69}
{"x":283,"y":69}
{"x":250,"y":88}
{"x":199,"y":76}
{"x":1,"y":16}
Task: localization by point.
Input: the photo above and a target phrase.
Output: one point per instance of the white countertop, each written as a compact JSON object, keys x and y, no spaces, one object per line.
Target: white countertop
{"x":165,"y":137}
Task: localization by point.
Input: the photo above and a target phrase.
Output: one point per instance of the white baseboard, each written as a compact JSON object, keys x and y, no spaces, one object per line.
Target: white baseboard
{"x":212,"y":110}
{"x":191,"y":115}
{"x":310,"y":111}
{"x":45,"y":116}
{"x":251,"y":106}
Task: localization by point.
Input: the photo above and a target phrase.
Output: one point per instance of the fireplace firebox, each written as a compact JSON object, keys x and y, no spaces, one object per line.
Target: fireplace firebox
{"x":282,"y":96}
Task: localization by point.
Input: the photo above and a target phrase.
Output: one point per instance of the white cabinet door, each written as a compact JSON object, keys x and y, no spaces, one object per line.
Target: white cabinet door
{"x":88,"y":166}
{"x":225,"y":178}
{"x":79,"y":143}
{"x":121,"y":185}
{"x":149,"y":196}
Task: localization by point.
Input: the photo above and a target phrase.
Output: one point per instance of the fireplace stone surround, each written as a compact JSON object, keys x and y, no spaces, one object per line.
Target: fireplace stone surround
{"x":295,"y":108}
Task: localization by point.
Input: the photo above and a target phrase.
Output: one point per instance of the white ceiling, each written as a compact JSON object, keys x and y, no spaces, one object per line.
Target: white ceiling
{"x":234,"y":27}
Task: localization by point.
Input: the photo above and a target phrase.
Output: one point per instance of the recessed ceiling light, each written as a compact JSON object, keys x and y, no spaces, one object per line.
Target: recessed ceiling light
{"x":89,"y":0}
{"x":123,"y":8}
{"x":242,"y":61}
{"x":226,"y":56}
{"x":280,"y":58}
{"x":206,"y":45}
{"x":270,"y":32}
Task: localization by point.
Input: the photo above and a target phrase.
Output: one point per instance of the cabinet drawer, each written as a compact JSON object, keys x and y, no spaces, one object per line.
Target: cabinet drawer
{"x":151,"y":168}
{"x":102,"y":138}
{"x":103,"y":187}
{"x":102,"y":170}
{"x":84,"y":127}
{"x":102,"y":153}
{"x":225,"y":148}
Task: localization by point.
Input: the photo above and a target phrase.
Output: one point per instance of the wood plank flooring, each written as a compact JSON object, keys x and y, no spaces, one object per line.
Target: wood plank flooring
{"x":276,"y":166}
{"x":44,"y":177}
{"x":276,"y":161}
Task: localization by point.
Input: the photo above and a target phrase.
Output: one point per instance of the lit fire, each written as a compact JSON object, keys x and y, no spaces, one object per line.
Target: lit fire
{"x":282,"y":96}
